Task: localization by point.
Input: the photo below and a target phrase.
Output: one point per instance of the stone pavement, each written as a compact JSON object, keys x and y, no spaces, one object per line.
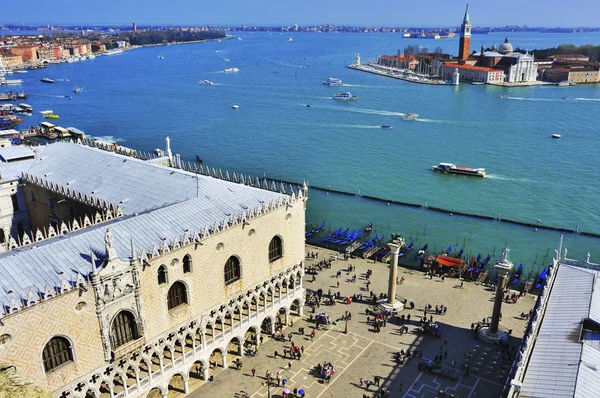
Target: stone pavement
{"x":362,"y":353}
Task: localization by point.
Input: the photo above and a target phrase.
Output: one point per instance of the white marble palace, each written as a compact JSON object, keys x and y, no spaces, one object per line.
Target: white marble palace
{"x":122,"y":273}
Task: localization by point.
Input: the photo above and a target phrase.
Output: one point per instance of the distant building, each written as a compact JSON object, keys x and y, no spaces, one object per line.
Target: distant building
{"x":575,"y":73}
{"x":473,"y":73}
{"x":517,"y":67}
{"x":465,"y":37}
{"x":570,"y":57}
{"x":502,"y":65}
{"x":134,"y":27}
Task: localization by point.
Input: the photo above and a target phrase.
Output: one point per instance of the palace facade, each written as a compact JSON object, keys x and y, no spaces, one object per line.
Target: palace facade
{"x":131,"y":274}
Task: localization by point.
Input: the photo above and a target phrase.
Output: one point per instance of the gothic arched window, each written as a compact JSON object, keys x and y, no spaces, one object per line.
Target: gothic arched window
{"x":162,"y":275}
{"x":177,"y":295}
{"x":57,"y":352}
{"x":275,"y":249}
{"x":232,"y":270}
{"x":123,"y":329}
{"x":187,"y":264}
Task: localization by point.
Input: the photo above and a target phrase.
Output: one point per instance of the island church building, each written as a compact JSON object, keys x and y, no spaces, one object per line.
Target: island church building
{"x":497,"y":66}
{"x":130,"y":273}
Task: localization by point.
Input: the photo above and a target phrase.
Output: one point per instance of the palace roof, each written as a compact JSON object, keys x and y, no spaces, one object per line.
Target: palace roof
{"x":164,"y":208}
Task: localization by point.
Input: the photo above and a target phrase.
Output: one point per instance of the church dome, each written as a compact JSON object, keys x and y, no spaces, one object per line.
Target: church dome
{"x":506,"y":47}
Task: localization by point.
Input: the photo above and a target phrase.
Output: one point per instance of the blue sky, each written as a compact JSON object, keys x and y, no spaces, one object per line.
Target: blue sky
{"x":550,"y":13}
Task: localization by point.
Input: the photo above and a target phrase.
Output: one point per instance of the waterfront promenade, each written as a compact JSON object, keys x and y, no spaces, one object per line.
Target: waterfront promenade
{"x":362,"y":353}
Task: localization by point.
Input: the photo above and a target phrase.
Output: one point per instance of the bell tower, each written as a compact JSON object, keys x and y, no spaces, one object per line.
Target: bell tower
{"x":465,"y":37}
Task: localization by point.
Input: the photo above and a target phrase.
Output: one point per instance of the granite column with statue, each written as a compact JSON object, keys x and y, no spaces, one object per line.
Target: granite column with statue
{"x":391,"y":302}
{"x":491,"y":333}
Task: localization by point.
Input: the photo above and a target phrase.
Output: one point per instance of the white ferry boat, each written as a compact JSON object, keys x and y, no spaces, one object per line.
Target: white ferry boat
{"x":113,"y":52}
{"x":345,"y":96}
{"x":449,"y":168}
{"x":332,"y":81}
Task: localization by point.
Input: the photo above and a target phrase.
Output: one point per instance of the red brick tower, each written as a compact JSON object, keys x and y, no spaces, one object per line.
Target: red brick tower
{"x":465,"y":37}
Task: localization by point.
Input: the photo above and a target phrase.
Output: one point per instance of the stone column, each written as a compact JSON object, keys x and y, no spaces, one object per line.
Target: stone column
{"x":503,"y":268}
{"x":205,"y":374}
{"x":491,"y":334}
{"x":300,"y":310}
{"x":394,"y":250}
{"x":186,"y":385}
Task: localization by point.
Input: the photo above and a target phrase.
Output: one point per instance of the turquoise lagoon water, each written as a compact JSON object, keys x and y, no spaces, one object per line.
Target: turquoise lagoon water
{"x":138,"y":99}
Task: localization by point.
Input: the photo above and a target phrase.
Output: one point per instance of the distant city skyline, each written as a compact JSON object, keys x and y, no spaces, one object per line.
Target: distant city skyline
{"x":435,"y":13}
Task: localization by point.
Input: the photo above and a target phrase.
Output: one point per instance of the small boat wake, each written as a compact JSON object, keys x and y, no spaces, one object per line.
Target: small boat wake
{"x":531,"y":99}
{"x":354,"y":126}
{"x":369,"y":111}
{"x":504,"y":178}
{"x":452,"y":122}
{"x":586,"y":99}
{"x":110,"y":138}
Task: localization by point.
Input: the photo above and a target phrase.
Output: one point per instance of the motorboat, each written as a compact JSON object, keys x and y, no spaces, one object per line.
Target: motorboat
{"x":332,"y":81}
{"x":78,"y":90}
{"x":46,"y":80}
{"x":385,"y":126}
{"x":113,"y":52}
{"x":450,"y":168}
{"x":160,"y":57}
{"x":235,"y":106}
{"x":26,"y":107}
{"x":411,"y":116}
{"x":290,"y":39}
{"x":91,"y":56}
{"x":556,"y":135}
{"x":46,"y":112}
{"x":566,"y":83}
{"x":205,"y":82}
{"x":51,"y":116}
{"x":345,"y":96}
{"x":231,"y":70}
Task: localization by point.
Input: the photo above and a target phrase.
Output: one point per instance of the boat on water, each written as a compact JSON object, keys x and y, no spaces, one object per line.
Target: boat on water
{"x":477,"y":83}
{"x":345,"y":96}
{"x":235,"y":106}
{"x":113,"y":52}
{"x":385,"y":126}
{"x":556,"y":135}
{"x":47,"y":80}
{"x":333,"y":81}
{"x":231,"y":70}
{"x":26,"y":107}
{"x":566,"y":83}
{"x":91,"y":56}
{"x":78,"y":90}
{"x":411,"y":116}
{"x":205,"y":82}
{"x":46,"y":112}
{"x":51,"y":116}
{"x":160,"y":57}
{"x":448,"y":261}
{"x":450,"y":168}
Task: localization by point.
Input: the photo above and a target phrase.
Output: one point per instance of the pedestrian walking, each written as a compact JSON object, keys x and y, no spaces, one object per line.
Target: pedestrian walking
{"x":361,"y":382}
{"x":462,"y":283}
{"x":253,"y":372}
{"x":290,"y":365}
{"x":376,"y":380}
